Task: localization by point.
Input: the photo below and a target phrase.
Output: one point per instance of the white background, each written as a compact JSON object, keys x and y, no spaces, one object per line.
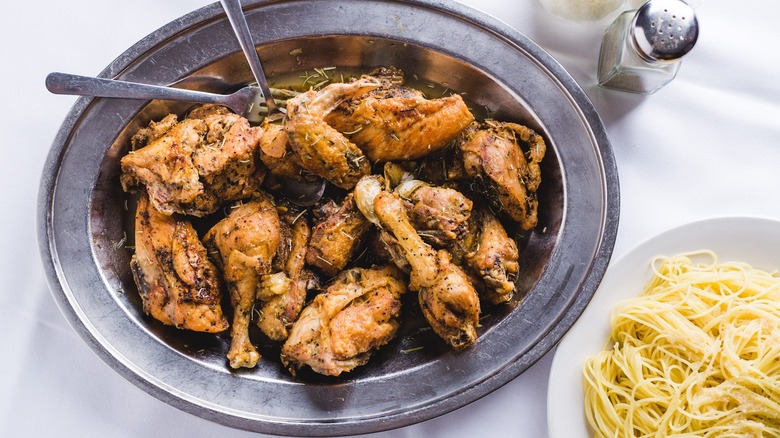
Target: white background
{"x":706,"y":145}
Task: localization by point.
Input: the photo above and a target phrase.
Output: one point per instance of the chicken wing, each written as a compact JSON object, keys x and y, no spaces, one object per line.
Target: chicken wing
{"x":492,"y":153}
{"x":245,"y":242}
{"x":281,"y":295}
{"x":196,"y":165}
{"x":335,"y":238}
{"x":178,"y":284}
{"x":489,"y":255}
{"x":322,"y":149}
{"x":339,"y":329}
{"x":394,"y":123}
{"x":447,"y":298}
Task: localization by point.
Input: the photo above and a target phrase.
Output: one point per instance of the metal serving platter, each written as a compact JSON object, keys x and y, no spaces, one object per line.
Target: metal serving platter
{"x":83,"y":221}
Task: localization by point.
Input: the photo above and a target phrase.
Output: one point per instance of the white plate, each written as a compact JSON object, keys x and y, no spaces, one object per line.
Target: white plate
{"x":751,"y":240}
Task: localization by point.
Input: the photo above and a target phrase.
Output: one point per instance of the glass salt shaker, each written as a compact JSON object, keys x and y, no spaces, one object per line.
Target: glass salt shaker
{"x":642,"y":49}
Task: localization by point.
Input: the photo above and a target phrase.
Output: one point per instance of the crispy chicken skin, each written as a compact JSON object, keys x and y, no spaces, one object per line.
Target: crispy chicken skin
{"x":194,"y":166}
{"x":492,"y":152}
{"x":153,"y":131}
{"x":323,"y":150}
{"x":395,"y":123}
{"x":245,"y":242}
{"x":490,"y":256}
{"x":281,"y":295}
{"x":448,"y":300}
{"x":178,"y":283}
{"x":339,"y":329}
{"x":335,"y":238}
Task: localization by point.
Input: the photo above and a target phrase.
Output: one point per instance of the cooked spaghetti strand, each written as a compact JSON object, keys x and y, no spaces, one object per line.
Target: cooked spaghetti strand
{"x":697,"y":353}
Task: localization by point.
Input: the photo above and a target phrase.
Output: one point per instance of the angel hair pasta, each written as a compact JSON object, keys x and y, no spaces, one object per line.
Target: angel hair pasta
{"x":696,"y":354}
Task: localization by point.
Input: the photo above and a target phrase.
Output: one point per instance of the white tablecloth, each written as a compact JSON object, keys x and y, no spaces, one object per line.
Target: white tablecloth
{"x":706,"y":145}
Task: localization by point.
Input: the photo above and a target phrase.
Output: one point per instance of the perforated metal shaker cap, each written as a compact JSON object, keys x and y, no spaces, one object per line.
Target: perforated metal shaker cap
{"x":664,"y":30}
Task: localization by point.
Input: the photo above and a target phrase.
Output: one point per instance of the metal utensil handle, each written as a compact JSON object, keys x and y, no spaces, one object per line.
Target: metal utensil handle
{"x":65,"y":83}
{"x":240,"y":27}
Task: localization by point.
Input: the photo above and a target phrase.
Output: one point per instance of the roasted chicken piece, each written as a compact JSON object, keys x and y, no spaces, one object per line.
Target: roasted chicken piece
{"x":489,"y":255}
{"x":278,"y":156}
{"x":178,"y":283}
{"x":339,"y":329}
{"x":477,"y":240}
{"x":281,"y":295}
{"x":448,"y":300}
{"x":194,"y":166}
{"x":395,"y":123}
{"x":336,"y":237}
{"x":439,"y":214}
{"x":491,"y":154}
{"x":207,"y":110}
{"x":245,"y":241}
{"x":323,"y":150}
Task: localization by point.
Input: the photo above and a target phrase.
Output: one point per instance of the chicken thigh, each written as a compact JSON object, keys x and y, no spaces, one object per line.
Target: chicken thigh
{"x":245,"y":242}
{"x":178,"y":283}
{"x":194,"y":166}
{"x":339,"y":329}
